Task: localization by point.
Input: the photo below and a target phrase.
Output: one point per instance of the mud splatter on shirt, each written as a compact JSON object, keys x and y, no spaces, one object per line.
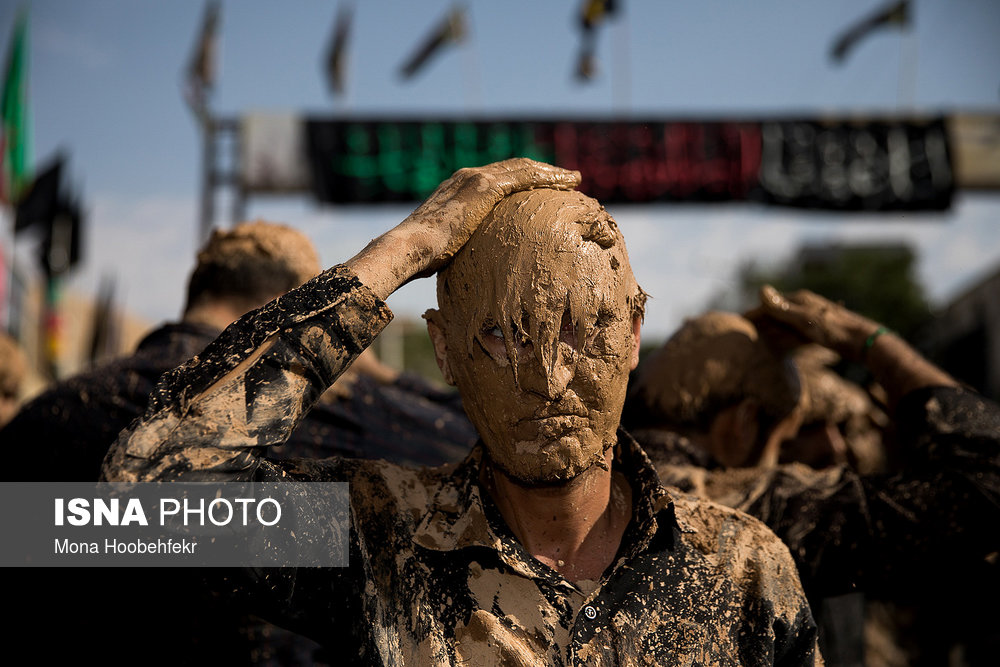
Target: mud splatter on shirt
{"x":924,"y":538}
{"x":436,"y":577}
{"x":876,"y":533}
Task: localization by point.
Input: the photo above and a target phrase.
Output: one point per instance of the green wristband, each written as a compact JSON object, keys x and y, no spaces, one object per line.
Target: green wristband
{"x":870,"y":341}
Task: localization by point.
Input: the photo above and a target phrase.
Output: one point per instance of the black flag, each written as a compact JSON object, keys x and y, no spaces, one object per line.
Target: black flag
{"x":450,"y":31}
{"x":592,"y":14}
{"x":200,"y":74}
{"x":39,"y":202}
{"x":60,"y":248}
{"x":895,"y":14}
{"x":338,"y":46}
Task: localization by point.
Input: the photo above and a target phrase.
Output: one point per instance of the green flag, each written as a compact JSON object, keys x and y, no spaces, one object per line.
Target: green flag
{"x":14,"y":143}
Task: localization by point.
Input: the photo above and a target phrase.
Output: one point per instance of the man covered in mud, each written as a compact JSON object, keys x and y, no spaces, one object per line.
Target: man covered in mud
{"x":553,"y":542}
{"x":923,"y":534}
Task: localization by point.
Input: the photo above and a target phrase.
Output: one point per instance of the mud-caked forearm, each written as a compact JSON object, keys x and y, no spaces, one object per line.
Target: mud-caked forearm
{"x":213,"y":417}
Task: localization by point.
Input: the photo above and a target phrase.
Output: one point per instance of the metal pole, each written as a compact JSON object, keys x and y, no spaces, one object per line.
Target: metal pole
{"x":207,"y":125}
{"x":907,"y":85}
{"x":239,"y":204}
{"x":8,"y":247}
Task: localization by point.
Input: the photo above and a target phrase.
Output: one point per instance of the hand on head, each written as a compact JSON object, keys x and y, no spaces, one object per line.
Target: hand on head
{"x":896,"y":366}
{"x":456,"y":208}
{"x":791,"y":320}
{"x":429,"y":237}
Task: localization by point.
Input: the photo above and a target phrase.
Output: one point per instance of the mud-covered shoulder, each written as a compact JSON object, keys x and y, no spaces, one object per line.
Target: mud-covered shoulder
{"x":754,"y":556}
{"x":378,"y":488}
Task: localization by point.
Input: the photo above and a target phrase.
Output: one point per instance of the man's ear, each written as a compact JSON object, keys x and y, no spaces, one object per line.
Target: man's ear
{"x":733,"y":435}
{"x":747,"y":423}
{"x":636,"y":326}
{"x":435,"y":329}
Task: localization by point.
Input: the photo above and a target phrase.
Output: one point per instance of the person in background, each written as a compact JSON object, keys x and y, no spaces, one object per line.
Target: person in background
{"x":715,"y":395}
{"x":923,"y":533}
{"x":398,"y":416}
{"x":13,"y":368}
{"x":71,"y":424}
{"x":719,"y":395}
{"x":65,"y":432}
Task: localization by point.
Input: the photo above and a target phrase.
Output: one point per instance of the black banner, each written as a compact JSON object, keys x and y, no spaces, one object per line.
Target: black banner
{"x":840,"y":166}
{"x":874,"y":166}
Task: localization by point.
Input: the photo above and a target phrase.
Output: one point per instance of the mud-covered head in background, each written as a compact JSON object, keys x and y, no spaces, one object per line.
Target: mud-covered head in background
{"x":249,"y":264}
{"x":717,"y":381}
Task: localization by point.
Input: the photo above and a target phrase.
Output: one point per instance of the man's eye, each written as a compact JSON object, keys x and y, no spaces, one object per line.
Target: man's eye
{"x":496,"y":332}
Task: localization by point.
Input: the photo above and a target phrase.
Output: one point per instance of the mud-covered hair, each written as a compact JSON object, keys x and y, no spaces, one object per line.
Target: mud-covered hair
{"x":711,"y":362}
{"x":521,"y":232}
{"x":250,"y":264}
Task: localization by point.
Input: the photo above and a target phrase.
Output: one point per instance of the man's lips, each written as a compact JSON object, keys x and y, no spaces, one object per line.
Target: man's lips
{"x":567,"y":413}
{"x":557,"y":425}
{"x":571,"y":419}
{"x":551,"y":414}
{"x":567,"y":407}
{"x":553,"y":423}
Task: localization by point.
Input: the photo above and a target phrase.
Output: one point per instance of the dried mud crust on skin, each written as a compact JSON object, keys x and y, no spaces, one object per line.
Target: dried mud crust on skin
{"x":507,"y":302}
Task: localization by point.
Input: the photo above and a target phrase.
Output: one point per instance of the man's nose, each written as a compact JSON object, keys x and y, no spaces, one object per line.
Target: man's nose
{"x":536,"y":376}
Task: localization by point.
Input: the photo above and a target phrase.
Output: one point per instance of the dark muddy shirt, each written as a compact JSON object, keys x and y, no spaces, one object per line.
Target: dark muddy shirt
{"x":436,"y":577}
{"x":70,"y":425}
{"x":407,"y":421}
{"x":929,"y":522}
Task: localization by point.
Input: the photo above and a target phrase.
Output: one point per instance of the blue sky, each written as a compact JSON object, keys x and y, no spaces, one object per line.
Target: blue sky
{"x":105,"y":87}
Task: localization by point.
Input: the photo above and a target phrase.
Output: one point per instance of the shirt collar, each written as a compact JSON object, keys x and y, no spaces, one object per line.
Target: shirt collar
{"x":458,"y":517}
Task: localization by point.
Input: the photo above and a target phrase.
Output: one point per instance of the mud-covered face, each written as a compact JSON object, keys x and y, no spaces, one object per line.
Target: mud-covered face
{"x":539,"y":316}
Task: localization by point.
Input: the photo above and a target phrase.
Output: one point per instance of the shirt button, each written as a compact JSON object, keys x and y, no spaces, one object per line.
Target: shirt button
{"x":590,"y":612}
